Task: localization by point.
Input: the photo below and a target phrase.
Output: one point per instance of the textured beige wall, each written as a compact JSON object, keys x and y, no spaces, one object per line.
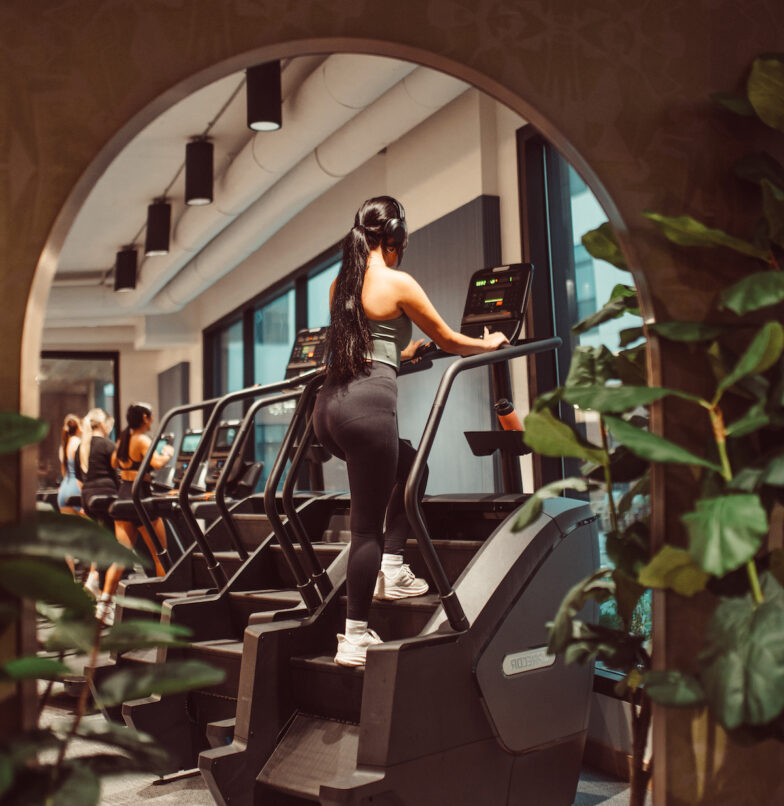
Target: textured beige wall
{"x":618,"y":86}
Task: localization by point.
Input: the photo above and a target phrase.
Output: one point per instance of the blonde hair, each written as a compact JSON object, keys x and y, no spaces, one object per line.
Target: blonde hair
{"x":95,"y":418}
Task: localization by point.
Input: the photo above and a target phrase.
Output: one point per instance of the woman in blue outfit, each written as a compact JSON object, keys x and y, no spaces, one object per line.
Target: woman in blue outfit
{"x":69,"y":445}
{"x":372,"y":308}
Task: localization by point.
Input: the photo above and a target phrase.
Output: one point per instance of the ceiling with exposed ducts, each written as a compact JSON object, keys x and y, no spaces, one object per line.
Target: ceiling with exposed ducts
{"x":338,"y":112}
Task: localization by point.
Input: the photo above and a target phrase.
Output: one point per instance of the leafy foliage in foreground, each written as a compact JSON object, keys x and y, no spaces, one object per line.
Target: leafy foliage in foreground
{"x":32,"y":567}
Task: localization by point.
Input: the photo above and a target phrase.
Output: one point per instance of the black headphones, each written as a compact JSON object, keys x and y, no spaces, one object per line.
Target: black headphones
{"x":395,"y":229}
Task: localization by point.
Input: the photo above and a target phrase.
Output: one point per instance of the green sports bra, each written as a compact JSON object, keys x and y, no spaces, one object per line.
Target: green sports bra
{"x":389,"y":338}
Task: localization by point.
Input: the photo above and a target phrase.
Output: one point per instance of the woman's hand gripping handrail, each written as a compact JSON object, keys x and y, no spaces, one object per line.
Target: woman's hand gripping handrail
{"x":452,"y":607}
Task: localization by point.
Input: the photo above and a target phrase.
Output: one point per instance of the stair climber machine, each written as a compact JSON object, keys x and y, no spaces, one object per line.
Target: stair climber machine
{"x":254,"y":583}
{"x":461,"y":704}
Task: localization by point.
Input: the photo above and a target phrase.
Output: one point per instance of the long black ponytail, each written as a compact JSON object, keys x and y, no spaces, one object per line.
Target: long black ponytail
{"x":378,"y":220}
{"x":134,"y":417}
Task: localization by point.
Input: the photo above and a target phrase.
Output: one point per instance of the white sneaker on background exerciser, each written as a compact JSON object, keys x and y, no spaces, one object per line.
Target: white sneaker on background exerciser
{"x":352,"y":652}
{"x":399,"y":583}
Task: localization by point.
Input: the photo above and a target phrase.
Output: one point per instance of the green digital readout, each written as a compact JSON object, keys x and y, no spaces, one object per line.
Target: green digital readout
{"x":480,"y":283}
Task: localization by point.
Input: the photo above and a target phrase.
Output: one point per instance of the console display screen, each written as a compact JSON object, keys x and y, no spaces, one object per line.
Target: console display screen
{"x":225,"y":437}
{"x":189,"y":443}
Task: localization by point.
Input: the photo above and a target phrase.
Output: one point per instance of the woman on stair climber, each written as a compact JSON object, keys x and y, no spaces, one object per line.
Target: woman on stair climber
{"x":372,"y":307}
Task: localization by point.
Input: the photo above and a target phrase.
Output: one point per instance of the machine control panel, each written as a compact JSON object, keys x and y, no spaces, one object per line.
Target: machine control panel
{"x":190,"y":442}
{"x":221,"y":446}
{"x":497,"y":298}
{"x":308,"y":352}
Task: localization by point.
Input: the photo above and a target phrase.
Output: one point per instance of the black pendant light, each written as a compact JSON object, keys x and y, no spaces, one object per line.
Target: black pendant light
{"x":158,"y":225}
{"x":263,"y":95}
{"x":198,"y":172}
{"x":125,"y":269}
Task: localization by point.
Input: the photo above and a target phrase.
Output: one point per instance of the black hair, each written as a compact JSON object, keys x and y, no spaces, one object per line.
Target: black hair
{"x":134,"y":417}
{"x":70,"y":427}
{"x":378,"y":220}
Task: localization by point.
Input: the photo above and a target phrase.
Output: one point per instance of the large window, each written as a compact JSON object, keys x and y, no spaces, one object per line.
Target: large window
{"x":252,"y":345}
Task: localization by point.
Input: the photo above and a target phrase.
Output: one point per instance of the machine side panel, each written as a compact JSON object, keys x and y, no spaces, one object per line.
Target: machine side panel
{"x":535,"y":699}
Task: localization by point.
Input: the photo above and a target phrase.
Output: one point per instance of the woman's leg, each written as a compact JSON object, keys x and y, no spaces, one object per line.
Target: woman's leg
{"x":148,"y":541}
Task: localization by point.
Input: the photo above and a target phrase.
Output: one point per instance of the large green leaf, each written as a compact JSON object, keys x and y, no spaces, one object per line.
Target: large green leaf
{"x":615,"y":648}
{"x":773,"y":473}
{"x":630,"y":335}
{"x":618,"y":398}
{"x":597,"y":587}
{"x":673,"y":689}
{"x":51,"y":534}
{"x":146,"y":752}
{"x":764,"y":351}
{"x":31,"y":579}
{"x":755,"y":418}
{"x":747,"y":479}
{"x":548,"y":436}
{"x":77,"y":787}
{"x":33,"y":667}
{"x":756,"y":167}
{"x":16,"y":431}
{"x":137,"y":603}
{"x":773,"y":207}
{"x":6,"y":774}
{"x":652,"y":447}
{"x":738,"y":104}
{"x":72,"y":634}
{"x":742,"y":662}
{"x":629,"y":550}
{"x":725,"y":532}
{"x":627,"y":594}
{"x":610,"y":310}
{"x":533,"y":506}
{"x":590,"y":366}
{"x":675,"y":569}
{"x":687,"y":231}
{"x":629,"y":365}
{"x":765,"y":90}
{"x":164,"y":678}
{"x":687,"y":331}
{"x":600,"y":244}
{"x":759,"y":290}
{"x":138,"y":634}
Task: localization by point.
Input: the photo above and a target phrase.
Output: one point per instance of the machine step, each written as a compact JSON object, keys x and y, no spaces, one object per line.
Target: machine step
{"x":245,"y":603}
{"x":224,"y":654}
{"x":323,"y":688}
{"x":253,"y":528}
{"x":230,"y":562}
{"x":313,"y":751}
{"x":162,"y":596}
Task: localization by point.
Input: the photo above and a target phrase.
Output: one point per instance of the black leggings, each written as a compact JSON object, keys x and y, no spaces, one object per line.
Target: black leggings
{"x":357,"y":422}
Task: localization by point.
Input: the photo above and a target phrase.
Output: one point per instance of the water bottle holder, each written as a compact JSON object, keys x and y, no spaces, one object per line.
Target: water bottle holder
{"x":484,"y":443}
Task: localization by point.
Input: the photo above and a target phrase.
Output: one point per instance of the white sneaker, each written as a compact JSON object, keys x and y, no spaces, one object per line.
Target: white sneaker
{"x":400,"y":584}
{"x":104,"y":611}
{"x":352,"y":653}
{"x":92,"y":587}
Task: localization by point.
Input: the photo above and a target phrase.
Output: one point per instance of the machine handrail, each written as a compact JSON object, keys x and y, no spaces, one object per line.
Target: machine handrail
{"x":318,"y":573}
{"x":452,"y":607}
{"x":305,"y":584}
{"x":236,"y":448}
{"x":144,"y":467}
{"x":213,"y":566}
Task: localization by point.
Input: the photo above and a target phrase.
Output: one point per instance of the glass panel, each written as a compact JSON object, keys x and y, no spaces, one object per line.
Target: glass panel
{"x":274,"y":328}
{"x":273,"y":335}
{"x":228,"y":366}
{"x":70,"y":385}
{"x":594,"y":281}
{"x":318,"y":295}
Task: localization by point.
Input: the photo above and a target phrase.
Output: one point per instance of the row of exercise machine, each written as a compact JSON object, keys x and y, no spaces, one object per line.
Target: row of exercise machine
{"x":460,"y":705}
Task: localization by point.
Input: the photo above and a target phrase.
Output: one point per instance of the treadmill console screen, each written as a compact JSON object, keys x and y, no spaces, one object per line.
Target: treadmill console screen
{"x":497,"y":299}
{"x":308,"y":351}
{"x":225,"y":437}
{"x":189,"y":443}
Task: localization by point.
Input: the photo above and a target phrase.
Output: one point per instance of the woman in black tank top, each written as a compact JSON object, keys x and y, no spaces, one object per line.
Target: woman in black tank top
{"x":355,"y":416}
{"x":127,"y":458}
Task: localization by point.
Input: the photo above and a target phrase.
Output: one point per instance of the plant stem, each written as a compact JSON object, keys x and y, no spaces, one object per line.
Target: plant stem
{"x":81,"y":706}
{"x":641,"y":720}
{"x":720,"y":435}
{"x":608,"y":476}
{"x":48,"y":690}
{"x":756,"y":588}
